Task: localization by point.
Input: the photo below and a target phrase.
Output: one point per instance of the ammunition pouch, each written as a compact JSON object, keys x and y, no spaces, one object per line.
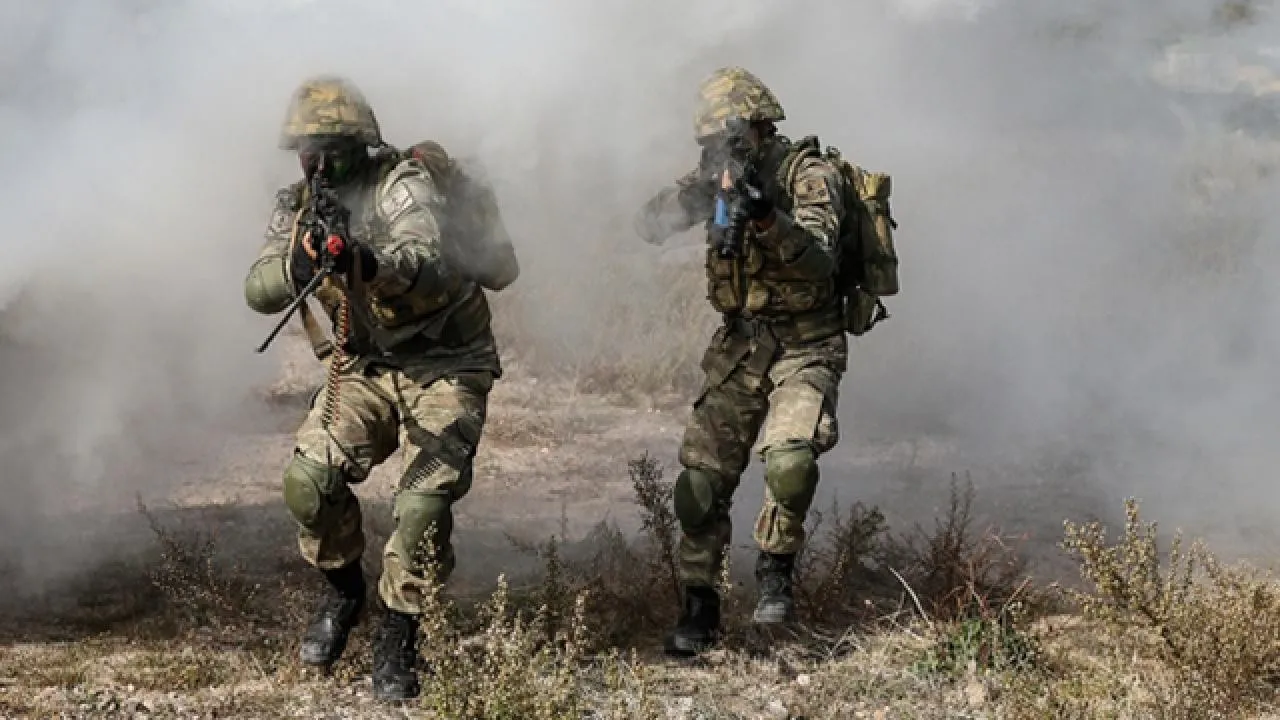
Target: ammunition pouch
{"x":862,"y":311}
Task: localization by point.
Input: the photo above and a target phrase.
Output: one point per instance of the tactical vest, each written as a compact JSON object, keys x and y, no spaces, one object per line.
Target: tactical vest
{"x":758,"y":282}
{"x":411,"y":321}
{"x":868,"y":259}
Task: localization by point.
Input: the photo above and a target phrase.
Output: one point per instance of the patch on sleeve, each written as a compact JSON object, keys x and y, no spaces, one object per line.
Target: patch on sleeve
{"x":396,"y":202}
{"x":409,"y":185}
{"x":812,"y":189}
{"x":281,"y":221}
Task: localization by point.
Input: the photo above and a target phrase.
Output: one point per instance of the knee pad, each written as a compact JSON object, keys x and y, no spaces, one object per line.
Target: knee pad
{"x":309,"y":490}
{"x":423,"y":520}
{"x":697,"y":497}
{"x":791,"y":472}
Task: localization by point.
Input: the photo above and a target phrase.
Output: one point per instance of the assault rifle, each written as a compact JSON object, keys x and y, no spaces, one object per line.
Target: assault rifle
{"x":730,"y":221}
{"x":324,"y":217}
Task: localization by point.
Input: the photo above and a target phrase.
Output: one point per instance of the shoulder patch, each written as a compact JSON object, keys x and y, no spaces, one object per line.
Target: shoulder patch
{"x":395,"y":201}
{"x":281,"y":221}
{"x":812,"y":188}
{"x":408,"y":184}
{"x":288,"y":200}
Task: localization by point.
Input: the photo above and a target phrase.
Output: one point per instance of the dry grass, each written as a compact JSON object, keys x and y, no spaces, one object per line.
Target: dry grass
{"x":934,"y":623}
{"x":1211,"y":630}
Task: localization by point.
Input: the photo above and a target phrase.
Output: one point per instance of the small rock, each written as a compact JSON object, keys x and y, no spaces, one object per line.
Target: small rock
{"x":803,"y":680}
{"x":777,"y":710}
{"x":975,"y":693}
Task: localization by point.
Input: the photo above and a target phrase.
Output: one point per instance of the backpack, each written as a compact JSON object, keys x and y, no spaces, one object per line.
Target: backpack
{"x":475,"y":237}
{"x":868,"y":269}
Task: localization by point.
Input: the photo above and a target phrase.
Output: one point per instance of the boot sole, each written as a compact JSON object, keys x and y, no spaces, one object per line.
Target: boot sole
{"x":314,"y":661}
{"x":686,"y":649}
{"x":389,"y":696}
{"x":772,"y":617}
{"x":326,"y":659}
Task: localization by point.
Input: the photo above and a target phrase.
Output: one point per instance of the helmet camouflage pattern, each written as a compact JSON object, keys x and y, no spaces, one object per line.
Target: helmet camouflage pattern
{"x":733,"y":91}
{"x":329,"y":106}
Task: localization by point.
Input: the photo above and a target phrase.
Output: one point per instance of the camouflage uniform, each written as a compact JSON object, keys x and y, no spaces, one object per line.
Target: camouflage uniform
{"x":774,"y":367}
{"x":412,"y":362}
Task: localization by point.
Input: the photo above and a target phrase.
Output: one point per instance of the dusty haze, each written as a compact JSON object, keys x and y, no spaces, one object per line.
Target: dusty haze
{"x":1059,"y":305}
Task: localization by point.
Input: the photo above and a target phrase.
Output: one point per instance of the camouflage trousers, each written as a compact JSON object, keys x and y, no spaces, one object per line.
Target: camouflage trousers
{"x":784,"y":395}
{"x":439,"y":423}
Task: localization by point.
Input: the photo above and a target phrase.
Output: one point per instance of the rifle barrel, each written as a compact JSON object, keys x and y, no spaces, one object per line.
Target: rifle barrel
{"x":293,"y":306}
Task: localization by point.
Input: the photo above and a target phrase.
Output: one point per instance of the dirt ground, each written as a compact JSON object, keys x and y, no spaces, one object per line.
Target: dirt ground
{"x":552,"y":460}
{"x":552,"y":457}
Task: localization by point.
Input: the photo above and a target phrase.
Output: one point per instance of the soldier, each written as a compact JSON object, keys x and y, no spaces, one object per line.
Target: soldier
{"x":776,"y":361}
{"x":412,"y":352}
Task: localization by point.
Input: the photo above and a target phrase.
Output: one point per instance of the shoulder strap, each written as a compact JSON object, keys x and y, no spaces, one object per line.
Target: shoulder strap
{"x":806,"y":148}
{"x":437,"y":161}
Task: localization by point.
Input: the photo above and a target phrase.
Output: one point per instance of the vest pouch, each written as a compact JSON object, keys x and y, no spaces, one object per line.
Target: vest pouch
{"x":470,"y":320}
{"x":797,"y":297}
{"x":720,"y":283}
{"x":879,"y":257}
{"x":862,"y":311}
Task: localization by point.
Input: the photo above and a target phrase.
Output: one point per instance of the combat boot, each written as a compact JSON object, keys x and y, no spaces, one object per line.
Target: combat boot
{"x":699,"y":623}
{"x":395,"y":653}
{"x":336,"y":614}
{"x":773,"y":578}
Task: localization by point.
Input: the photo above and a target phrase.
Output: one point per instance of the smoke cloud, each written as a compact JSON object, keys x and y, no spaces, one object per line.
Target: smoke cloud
{"x":1072,"y":289}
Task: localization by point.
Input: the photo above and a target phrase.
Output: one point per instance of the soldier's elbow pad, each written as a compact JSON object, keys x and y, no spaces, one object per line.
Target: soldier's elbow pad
{"x":267,"y":289}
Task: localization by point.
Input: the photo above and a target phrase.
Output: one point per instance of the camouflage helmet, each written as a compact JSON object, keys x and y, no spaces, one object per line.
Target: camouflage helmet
{"x":327,"y":106}
{"x":733,"y":91}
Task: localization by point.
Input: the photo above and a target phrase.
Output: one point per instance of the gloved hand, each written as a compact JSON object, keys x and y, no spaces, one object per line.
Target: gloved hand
{"x":648,"y":225}
{"x":754,"y":202}
{"x":334,"y":247}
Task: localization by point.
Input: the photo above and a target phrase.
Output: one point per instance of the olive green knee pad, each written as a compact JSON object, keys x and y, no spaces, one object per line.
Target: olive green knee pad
{"x":791,"y":472}
{"x":423,"y":521}
{"x":313,"y":492}
{"x":697,"y":498}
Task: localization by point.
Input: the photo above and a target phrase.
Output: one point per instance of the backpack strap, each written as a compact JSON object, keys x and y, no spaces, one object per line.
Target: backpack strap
{"x":797,"y":153}
{"x":437,"y":161}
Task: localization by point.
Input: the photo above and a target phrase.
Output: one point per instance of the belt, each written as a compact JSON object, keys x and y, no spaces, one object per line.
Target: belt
{"x":806,"y":327}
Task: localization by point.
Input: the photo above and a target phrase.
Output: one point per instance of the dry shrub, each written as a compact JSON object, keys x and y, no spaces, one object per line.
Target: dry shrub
{"x":958,"y":572}
{"x":968,"y":589}
{"x":833,"y":575}
{"x":1216,"y":628}
{"x":510,"y":670}
{"x":195,"y":586}
{"x":854,"y":568}
{"x":631,"y":585}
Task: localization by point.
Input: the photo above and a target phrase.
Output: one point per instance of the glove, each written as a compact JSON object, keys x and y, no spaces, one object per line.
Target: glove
{"x":647,"y":226}
{"x":304,"y":267}
{"x":340,"y":251}
{"x":301,"y":267}
{"x":754,"y":203}
{"x":344,"y":255}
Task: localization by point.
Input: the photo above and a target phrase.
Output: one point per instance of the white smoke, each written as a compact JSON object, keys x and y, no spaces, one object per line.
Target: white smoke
{"x":1054,"y":301}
